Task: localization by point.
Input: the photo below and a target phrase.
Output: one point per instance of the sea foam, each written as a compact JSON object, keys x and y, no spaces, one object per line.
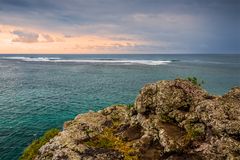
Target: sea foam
{"x":94,"y":61}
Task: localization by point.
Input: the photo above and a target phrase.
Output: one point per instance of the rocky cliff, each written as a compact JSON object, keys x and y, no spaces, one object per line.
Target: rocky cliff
{"x":170,"y":120}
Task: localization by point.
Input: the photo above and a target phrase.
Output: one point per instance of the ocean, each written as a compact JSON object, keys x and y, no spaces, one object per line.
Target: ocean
{"x":39,"y":92}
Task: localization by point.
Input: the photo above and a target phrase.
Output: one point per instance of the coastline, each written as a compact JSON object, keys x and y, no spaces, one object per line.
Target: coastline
{"x":32,"y":92}
{"x":170,"y":119}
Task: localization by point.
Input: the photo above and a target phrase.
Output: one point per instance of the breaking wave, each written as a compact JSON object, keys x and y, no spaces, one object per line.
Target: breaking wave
{"x":40,"y":59}
{"x":94,"y":61}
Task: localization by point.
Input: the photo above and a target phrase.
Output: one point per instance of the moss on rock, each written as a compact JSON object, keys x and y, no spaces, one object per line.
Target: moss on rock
{"x":108,"y":140}
{"x":32,"y":150}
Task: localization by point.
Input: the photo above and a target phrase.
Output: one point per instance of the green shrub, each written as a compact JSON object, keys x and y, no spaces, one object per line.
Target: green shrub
{"x":131,"y":105}
{"x":195,"y":81}
{"x":32,"y":150}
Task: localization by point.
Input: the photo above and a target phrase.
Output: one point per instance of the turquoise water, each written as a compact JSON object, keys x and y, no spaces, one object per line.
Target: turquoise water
{"x":42,"y":91}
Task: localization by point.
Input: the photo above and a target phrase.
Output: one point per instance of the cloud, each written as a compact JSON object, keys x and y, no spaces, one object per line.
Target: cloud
{"x":184,"y":25}
{"x":40,"y":41}
{"x":47,"y":38}
{"x":25,"y":37}
{"x":32,"y":37}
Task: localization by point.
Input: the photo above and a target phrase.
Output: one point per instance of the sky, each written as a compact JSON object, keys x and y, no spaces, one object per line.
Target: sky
{"x":119,"y":26}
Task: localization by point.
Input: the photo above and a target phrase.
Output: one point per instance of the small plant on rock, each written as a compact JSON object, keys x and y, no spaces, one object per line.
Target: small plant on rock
{"x":32,"y":150}
{"x":131,"y":105}
{"x":195,"y":81}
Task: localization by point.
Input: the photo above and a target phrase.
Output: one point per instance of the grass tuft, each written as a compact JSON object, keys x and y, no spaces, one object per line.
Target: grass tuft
{"x":108,"y":140}
{"x":131,"y":105}
{"x":32,"y":150}
{"x":195,"y":81}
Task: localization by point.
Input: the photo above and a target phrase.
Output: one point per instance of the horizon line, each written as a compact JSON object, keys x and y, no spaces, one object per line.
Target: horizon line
{"x":107,"y":53}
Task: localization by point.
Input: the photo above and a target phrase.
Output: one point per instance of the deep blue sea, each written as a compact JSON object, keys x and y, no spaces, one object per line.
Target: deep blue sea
{"x":39,"y":92}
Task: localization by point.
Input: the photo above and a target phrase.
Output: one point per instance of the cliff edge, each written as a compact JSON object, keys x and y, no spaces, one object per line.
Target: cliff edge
{"x":170,"y":120}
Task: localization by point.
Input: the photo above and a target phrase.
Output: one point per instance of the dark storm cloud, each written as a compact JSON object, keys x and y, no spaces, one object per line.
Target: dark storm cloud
{"x":184,"y":25}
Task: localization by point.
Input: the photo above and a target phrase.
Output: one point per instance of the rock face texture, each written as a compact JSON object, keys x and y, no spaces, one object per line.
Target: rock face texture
{"x":170,"y":120}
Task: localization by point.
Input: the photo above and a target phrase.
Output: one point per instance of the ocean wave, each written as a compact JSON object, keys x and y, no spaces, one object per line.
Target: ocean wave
{"x":40,"y":59}
{"x":94,"y":61}
{"x":123,"y":62}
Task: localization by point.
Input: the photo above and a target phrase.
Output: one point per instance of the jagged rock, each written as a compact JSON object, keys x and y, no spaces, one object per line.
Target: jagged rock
{"x":165,"y":96}
{"x":171,"y":120}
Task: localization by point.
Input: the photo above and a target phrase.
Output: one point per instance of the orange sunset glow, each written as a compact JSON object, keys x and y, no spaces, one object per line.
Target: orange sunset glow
{"x":27,"y":40}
